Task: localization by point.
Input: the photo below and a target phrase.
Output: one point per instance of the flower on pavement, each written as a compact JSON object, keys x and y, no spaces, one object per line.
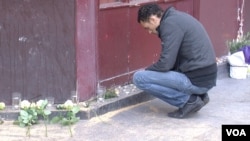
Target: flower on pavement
{"x":40,"y":104}
{"x":2,"y":105}
{"x":68,"y":104}
{"x":25,"y":104}
{"x":33,"y":105}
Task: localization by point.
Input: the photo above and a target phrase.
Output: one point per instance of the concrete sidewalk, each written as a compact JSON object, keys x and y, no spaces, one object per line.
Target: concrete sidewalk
{"x":148,"y":121}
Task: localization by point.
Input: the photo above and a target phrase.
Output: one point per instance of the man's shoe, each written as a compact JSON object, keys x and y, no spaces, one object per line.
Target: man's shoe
{"x":188,"y":108}
{"x":205,"y":98}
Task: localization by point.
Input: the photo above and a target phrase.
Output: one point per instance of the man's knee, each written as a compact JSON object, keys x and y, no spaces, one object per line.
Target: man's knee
{"x":138,"y":77}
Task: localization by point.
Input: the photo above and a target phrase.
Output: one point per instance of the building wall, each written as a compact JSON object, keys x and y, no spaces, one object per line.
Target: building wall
{"x":246,"y":26}
{"x":220,"y":20}
{"x":37,"y":49}
{"x":86,"y":48}
{"x":50,"y":48}
{"x":124,"y":46}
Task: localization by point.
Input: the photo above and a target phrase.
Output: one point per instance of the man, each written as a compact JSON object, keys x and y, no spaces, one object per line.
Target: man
{"x":186,"y":68}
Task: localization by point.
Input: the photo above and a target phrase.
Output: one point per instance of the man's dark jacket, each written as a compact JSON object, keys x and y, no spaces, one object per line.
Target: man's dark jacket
{"x":186,"y":48}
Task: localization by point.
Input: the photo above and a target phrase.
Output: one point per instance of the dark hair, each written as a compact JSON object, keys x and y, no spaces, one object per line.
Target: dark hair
{"x":147,"y":10}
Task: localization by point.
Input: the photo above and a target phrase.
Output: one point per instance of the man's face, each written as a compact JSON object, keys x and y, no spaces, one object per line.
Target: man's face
{"x":151,"y":24}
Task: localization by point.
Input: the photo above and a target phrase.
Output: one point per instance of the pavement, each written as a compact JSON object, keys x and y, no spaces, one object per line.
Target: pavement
{"x":141,"y":117}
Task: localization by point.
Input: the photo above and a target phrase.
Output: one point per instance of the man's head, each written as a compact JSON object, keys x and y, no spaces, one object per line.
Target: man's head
{"x":149,"y":16}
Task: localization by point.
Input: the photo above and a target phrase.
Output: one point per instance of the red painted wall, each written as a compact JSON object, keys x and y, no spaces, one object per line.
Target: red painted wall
{"x":108,"y":45}
{"x":220,"y":19}
{"x":246,"y":26}
{"x":119,"y":46}
{"x":86,"y":48}
{"x":124,"y":46}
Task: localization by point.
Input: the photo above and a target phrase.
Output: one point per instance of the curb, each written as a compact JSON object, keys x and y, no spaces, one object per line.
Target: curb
{"x":110,"y":104}
{"x":93,"y":110}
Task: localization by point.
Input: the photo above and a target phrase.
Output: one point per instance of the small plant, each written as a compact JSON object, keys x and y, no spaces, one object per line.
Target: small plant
{"x":110,"y":93}
{"x":69,"y":118}
{"x":236,"y":44}
{"x":2,"y":105}
{"x":29,"y":114}
{"x":41,"y":110}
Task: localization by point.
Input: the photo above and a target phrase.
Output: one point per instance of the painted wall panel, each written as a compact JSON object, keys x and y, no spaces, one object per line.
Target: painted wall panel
{"x":124,"y":46}
{"x":220,"y":19}
{"x":86,"y":48}
{"x":37,"y":51}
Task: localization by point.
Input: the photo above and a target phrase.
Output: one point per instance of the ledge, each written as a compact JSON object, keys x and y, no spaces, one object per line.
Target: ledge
{"x":96,"y":109}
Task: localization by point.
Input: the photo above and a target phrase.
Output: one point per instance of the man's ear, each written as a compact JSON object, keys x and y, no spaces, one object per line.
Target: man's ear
{"x":153,"y":19}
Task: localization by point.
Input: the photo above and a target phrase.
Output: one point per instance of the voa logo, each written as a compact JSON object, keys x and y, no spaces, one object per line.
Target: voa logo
{"x":236,"y":132}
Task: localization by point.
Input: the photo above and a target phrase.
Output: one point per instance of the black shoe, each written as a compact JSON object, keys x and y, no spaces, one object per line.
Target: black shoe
{"x":188,"y":108}
{"x":205,"y":98}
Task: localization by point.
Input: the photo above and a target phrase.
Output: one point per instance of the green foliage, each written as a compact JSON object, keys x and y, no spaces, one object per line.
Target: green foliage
{"x":41,"y":110}
{"x":110,"y":93}
{"x":30,"y":112}
{"x":27,"y":117}
{"x":235,"y":45}
{"x":69,"y":118}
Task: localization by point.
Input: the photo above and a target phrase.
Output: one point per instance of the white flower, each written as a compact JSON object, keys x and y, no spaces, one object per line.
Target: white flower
{"x":33,"y":105}
{"x":68,"y":104}
{"x":117,"y":91}
{"x":2,"y":105}
{"x":25,"y":104}
{"x":39,"y":104}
